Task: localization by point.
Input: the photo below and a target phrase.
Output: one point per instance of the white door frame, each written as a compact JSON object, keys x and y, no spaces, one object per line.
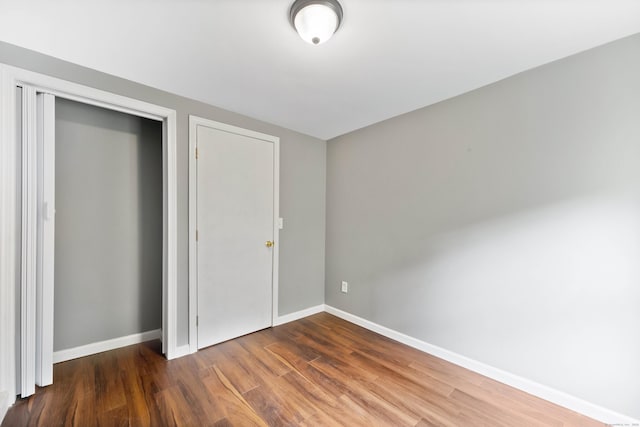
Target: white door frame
{"x":8,"y":231}
{"x":10,"y":77}
{"x":194,"y":122}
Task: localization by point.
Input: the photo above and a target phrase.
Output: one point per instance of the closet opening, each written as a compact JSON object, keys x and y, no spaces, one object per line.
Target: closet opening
{"x":93,"y":228}
{"x":108,"y":229}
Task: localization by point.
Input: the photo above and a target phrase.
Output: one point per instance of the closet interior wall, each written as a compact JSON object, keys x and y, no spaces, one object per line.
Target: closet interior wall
{"x":108,"y":246}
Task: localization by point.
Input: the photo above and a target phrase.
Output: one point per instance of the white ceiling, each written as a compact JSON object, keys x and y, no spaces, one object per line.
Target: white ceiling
{"x":389,"y":57}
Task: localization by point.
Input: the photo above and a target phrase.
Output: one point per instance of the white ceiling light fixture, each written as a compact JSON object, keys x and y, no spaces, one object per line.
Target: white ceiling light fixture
{"x":315,"y":20}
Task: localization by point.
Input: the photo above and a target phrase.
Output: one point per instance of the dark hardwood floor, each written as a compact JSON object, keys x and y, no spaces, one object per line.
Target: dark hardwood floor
{"x":318,"y":371}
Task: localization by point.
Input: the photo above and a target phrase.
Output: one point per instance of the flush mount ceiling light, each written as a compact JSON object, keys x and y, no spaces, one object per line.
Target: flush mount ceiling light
{"x":315,"y":20}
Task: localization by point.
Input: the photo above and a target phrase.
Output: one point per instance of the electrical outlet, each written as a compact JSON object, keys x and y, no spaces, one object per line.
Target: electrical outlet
{"x":345,"y":287}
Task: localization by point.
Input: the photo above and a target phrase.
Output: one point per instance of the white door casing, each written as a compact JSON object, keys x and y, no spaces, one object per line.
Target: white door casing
{"x":10,"y":236}
{"x":235,"y":216}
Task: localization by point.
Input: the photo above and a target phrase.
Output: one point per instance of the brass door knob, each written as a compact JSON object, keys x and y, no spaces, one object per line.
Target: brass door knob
{"x":269,"y":243}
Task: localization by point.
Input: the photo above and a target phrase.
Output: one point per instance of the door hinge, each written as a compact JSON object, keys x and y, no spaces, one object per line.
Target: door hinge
{"x":197,"y":318}
{"x":197,"y":153}
{"x":196,"y":235}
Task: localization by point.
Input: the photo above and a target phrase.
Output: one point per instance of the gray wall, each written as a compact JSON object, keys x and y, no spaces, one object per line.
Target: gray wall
{"x":504,"y":224}
{"x":108,"y":248}
{"x":303,"y":179}
{"x":302,"y":160}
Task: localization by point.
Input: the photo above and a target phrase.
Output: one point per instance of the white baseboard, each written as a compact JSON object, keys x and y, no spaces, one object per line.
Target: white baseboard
{"x":547,"y":393}
{"x":99,"y":347}
{"x":281,"y":320}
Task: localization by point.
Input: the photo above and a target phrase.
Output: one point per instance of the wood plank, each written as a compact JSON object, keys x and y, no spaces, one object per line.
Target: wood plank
{"x":317,"y":371}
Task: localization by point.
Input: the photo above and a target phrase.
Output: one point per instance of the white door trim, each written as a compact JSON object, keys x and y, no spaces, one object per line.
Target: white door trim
{"x":8,"y":231}
{"x":194,"y":121}
{"x":12,"y":77}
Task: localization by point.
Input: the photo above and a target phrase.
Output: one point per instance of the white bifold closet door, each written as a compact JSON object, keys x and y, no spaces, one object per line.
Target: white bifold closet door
{"x":38,"y":228}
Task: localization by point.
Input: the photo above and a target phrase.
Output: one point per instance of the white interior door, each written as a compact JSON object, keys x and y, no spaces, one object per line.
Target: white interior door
{"x":235,"y":234}
{"x":28,"y":267}
{"x":38,"y":227}
{"x":46,"y":238}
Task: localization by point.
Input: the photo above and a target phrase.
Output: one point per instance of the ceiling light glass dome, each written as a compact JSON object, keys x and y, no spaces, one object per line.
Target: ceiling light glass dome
{"x":316,"y":20}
